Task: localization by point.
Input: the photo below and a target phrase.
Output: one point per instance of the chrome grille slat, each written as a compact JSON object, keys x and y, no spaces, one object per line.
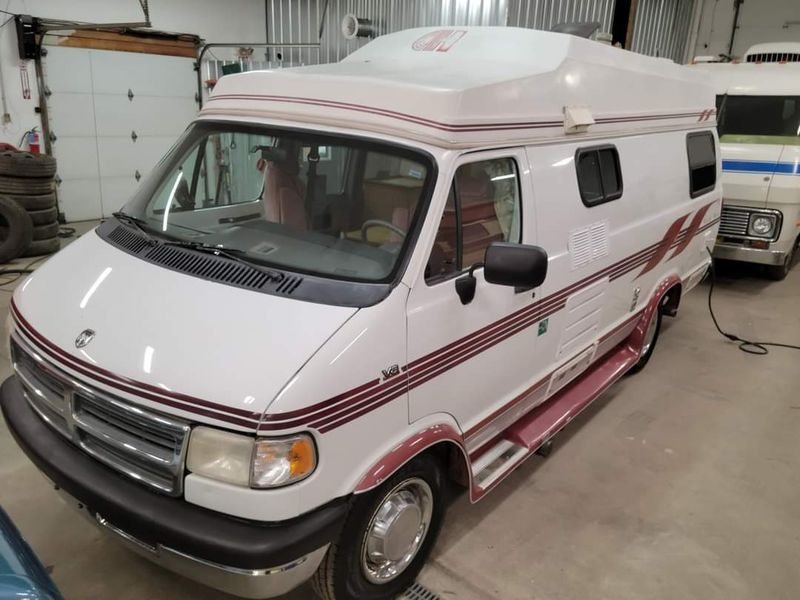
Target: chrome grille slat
{"x":144,"y":445}
{"x":734,"y":222}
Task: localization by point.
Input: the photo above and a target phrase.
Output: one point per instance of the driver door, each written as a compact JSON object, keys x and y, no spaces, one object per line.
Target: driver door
{"x":472,"y":360}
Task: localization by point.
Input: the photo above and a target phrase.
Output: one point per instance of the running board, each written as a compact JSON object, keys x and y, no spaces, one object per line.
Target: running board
{"x":537,"y":427}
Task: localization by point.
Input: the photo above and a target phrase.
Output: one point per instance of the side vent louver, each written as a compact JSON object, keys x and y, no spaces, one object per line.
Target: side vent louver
{"x":207,"y":266}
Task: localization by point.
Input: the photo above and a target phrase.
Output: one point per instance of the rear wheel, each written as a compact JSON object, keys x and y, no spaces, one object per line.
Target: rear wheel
{"x":387,"y":536}
{"x":649,"y":342}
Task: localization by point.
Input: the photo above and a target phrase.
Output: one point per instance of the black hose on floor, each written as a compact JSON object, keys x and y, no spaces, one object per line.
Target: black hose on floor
{"x":748,"y":346}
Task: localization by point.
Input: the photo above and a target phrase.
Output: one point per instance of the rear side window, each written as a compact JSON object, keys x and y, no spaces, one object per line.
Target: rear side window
{"x":599,"y":174}
{"x":702,"y":163}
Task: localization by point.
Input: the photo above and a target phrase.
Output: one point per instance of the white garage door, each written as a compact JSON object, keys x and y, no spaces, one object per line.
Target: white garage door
{"x":114,"y":115}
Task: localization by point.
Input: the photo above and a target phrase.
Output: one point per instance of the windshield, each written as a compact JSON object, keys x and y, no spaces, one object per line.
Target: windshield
{"x":759,"y":119}
{"x":331,"y":206}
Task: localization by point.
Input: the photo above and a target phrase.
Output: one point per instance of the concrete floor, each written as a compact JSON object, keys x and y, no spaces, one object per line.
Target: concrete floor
{"x":680,"y":482}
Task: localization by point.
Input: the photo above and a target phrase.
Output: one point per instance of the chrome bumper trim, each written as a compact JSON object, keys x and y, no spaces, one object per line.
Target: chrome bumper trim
{"x":245,"y":583}
{"x":752,"y":255}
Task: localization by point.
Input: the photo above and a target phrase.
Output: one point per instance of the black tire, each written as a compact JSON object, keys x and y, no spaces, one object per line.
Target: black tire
{"x":18,"y":230}
{"x":45,"y":232}
{"x":25,"y":164}
{"x":34,"y":202}
{"x":17,"y":185}
{"x":340,"y":575}
{"x":42,"y":247}
{"x":779,"y":272}
{"x":645,"y":358}
{"x":44,"y":217}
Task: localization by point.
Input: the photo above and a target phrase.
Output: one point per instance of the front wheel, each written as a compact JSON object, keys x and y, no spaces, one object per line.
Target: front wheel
{"x":779,"y":272}
{"x":387,"y":536}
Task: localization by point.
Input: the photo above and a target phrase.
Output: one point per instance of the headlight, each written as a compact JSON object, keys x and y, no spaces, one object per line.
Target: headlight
{"x":247,"y":461}
{"x":762,"y":225}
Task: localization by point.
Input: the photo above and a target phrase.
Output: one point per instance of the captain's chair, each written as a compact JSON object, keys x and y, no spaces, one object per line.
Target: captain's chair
{"x":284,"y":192}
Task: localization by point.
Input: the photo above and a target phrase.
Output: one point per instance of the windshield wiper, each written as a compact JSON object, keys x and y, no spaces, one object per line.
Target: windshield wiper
{"x":233,"y":254}
{"x":136,"y":222}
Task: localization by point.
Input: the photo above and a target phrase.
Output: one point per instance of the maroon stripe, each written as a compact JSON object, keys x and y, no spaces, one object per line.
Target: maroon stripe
{"x":320,"y":405}
{"x":466,"y":127}
{"x":115,"y":380}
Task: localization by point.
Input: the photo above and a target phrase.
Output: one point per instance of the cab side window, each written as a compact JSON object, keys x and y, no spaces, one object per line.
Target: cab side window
{"x":702,"y":162}
{"x":483,"y":206}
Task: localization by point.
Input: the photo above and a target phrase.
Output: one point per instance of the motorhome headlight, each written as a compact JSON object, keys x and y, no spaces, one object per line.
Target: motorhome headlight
{"x":280,"y":461}
{"x":247,"y":461}
{"x":762,"y":225}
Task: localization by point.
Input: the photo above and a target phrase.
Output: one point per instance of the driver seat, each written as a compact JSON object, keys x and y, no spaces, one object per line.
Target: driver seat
{"x":284,"y":192}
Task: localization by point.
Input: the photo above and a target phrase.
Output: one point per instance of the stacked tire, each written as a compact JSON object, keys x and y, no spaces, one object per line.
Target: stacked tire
{"x":28,"y":214}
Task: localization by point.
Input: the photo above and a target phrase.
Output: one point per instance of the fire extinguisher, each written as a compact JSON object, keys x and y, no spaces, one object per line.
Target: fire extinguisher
{"x":33,"y":141}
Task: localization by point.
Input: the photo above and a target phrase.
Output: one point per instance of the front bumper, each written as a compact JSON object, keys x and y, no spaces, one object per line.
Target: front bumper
{"x":246,"y":558}
{"x":753,"y":255}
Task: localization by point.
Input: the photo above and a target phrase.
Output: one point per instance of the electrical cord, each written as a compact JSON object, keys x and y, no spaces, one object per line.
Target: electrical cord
{"x":24,"y":270}
{"x":748,"y":346}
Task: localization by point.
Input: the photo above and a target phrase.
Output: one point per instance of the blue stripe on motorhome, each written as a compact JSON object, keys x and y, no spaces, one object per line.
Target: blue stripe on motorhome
{"x":754,"y":166}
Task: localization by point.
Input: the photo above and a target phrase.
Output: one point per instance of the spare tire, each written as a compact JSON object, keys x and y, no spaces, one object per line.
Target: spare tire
{"x":43,"y":217}
{"x":45,"y":232}
{"x":25,"y":164}
{"x":39,"y":202}
{"x":18,"y":230}
{"x":19,"y":185}
{"x":41,"y":247}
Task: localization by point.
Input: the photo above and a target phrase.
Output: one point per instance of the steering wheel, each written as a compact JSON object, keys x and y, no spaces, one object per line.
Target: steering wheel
{"x":368,"y":224}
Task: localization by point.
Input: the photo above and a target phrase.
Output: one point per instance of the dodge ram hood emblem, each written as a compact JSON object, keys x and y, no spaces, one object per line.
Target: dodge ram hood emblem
{"x":86,"y":336}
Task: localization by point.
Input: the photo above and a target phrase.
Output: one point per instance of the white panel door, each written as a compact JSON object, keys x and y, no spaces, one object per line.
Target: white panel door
{"x":114,"y":115}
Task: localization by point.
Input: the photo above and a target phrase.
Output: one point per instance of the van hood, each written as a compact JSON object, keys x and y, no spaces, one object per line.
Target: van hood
{"x":177,"y":343}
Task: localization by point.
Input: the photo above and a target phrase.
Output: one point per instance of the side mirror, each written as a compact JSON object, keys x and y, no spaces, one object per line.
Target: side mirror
{"x":518,"y":265}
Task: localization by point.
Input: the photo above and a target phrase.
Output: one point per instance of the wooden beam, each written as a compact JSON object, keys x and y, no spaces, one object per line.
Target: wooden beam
{"x":177,"y":45}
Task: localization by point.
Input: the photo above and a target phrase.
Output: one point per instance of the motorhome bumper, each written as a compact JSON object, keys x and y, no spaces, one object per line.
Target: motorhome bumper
{"x":752,"y":255}
{"x":246,"y":558}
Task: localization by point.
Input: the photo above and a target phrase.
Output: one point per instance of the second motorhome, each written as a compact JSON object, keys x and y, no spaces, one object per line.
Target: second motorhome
{"x":758,"y":102}
{"x":350,"y":283}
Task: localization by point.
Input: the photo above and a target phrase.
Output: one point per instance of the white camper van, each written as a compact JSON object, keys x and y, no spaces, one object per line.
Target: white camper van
{"x":348,"y":284}
{"x":759,"y":127}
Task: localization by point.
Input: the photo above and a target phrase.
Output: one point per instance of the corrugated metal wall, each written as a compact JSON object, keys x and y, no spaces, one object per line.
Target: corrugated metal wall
{"x":544,"y":14}
{"x":662,"y":28}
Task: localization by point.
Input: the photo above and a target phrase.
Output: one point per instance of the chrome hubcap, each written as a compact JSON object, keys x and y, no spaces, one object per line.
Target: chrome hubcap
{"x":396,"y":531}
{"x":650,"y":334}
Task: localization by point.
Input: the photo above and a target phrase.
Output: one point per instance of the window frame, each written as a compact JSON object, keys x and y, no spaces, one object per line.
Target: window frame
{"x":713,"y":186}
{"x":460,"y":269}
{"x":579,"y":153}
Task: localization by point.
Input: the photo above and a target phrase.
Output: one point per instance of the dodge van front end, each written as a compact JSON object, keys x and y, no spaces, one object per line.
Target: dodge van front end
{"x":210,"y":299}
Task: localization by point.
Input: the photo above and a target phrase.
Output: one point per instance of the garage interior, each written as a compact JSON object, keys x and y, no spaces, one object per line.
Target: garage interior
{"x":679,"y":482}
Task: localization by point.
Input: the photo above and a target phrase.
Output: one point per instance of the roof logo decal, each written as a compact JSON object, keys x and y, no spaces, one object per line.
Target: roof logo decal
{"x":440,"y":40}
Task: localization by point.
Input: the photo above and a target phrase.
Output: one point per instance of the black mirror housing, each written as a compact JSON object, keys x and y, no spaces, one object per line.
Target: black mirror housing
{"x":516,"y":265}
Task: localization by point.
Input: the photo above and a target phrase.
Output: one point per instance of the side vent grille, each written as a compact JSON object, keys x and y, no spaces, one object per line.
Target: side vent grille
{"x":207,"y":266}
{"x":128,"y":239}
{"x":773,"y":57}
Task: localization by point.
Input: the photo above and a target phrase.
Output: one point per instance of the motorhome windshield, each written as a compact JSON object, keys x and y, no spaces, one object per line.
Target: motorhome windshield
{"x":759,"y":119}
{"x":331,"y":206}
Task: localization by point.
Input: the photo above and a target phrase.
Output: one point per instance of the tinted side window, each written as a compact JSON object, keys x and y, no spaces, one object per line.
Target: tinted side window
{"x":599,"y":174}
{"x":702,"y":163}
{"x":483,"y":207}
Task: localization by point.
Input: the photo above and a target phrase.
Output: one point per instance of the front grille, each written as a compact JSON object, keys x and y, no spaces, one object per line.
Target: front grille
{"x":734,"y":221}
{"x":144,"y":445}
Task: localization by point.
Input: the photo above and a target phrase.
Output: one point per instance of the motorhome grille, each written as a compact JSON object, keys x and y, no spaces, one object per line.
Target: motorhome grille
{"x":145,"y":446}
{"x":417,"y":591}
{"x":773,"y":57}
{"x":207,"y":266}
{"x":733,"y":222}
